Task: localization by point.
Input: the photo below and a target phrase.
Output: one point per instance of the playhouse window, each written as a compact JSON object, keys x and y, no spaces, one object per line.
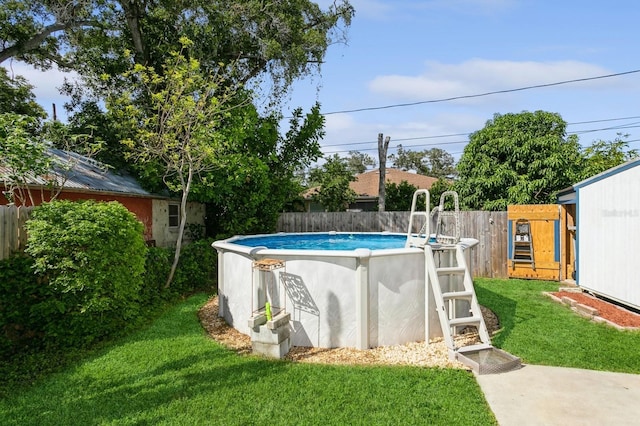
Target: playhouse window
{"x":174,"y":215}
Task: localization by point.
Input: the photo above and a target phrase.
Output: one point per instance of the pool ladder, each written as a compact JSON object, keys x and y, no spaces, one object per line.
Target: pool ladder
{"x":453,"y":292}
{"x":420,"y":239}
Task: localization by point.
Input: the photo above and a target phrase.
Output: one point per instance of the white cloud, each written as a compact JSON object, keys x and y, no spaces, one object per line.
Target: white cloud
{"x":477,"y":76}
{"x":45,"y":84}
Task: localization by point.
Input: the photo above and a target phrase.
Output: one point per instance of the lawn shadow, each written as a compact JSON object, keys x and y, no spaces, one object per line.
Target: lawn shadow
{"x":505,"y":310}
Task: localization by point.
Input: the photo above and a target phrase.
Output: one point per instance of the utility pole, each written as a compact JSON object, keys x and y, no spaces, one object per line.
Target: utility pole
{"x":382,"y":157}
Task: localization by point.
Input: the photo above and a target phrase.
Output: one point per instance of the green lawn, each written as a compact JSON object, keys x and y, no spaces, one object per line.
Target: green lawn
{"x":541,"y":331}
{"x":172,"y":373}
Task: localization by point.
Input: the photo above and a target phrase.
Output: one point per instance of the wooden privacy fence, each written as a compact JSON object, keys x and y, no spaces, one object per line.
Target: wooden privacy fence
{"x":488,"y":258}
{"x":13,"y":236}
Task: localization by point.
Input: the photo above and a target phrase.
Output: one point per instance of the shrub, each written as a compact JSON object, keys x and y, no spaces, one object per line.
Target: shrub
{"x":20,"y":291}
{"x":197,"y":268}
{"x":92,"y":255}
{"x":156,"y":271}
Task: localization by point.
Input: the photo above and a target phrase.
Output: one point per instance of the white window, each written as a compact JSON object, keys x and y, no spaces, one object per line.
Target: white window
{"x":174,"y":215}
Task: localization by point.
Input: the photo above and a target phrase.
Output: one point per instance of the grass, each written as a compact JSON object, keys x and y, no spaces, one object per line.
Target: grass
{"x":171,"y":373}
{"x":541,"y":331}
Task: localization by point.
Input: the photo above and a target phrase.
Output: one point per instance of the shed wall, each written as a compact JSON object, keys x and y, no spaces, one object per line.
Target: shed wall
{"x":608,"y":236}
{"x":165,"y":235}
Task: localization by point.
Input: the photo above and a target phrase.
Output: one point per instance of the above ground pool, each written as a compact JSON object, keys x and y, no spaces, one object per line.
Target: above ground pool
{"x":357,"y":290}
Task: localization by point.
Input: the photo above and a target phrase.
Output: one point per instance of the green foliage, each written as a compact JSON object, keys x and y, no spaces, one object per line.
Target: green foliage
{"x":602,"y":155}
{"x":275,"y":41}
{"x":21,"y":292}
{"x":180,"y":134}
{"x":197,"y":269}
{"x":358,"y":162}
{"x":156,"y":270}
{"x":254,"y":177}
{"x":517,"y":159}
{"x":433,"y":162}
{"x":92,"y":255}
{"x":398,"y":197}
{"x":333,"y":178}
{"x":16,"y":96}
{"x":22,"y":154}
{"x":437,"y":189}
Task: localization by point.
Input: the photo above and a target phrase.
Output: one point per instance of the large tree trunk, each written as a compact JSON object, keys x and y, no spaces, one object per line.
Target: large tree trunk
{"x":382,"y":157}
{"x":134,"y":11}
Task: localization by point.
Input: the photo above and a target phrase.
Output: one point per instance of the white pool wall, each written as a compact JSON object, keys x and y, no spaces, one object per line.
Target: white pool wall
{"x":352,"y":298}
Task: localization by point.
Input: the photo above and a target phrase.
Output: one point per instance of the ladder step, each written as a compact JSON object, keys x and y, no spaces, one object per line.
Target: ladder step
{"x":467,"y":295}
{"x":451,"y":270}
{"x":465,"y":321}
{"x":477,"y":347}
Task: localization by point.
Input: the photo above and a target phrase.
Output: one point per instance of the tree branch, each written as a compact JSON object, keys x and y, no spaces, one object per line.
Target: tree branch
{"x":35,"y":41}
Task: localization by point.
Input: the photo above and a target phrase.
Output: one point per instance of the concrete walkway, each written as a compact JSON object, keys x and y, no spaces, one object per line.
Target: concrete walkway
{"x":539,"y":395}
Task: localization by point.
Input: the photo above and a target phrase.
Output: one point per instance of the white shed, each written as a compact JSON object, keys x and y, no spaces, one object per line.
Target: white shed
{"x":607,"y":232}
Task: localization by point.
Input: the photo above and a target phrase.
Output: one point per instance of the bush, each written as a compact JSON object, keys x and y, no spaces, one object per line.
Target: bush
{"x":20,"y":291}
{"x":92,"y":255}
{"x":197,"y":268}
{"x":196,"y":272}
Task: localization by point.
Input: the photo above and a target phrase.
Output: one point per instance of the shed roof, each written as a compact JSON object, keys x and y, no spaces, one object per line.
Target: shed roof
{"x":567,"y":195}
{"x":85,"y":174}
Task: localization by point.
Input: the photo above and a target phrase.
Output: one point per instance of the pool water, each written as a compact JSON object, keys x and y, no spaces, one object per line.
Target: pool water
{"x":323,"y":241}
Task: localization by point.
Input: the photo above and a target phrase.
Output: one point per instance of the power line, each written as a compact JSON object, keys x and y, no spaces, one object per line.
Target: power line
{"x":478,"y":95}
{"x":626,"y":126}
{"x":401,"y":140}
{"x":427,"y":145}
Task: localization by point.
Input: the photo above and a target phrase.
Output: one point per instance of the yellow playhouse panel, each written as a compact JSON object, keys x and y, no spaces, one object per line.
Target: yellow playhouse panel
{"x":534,"y":241}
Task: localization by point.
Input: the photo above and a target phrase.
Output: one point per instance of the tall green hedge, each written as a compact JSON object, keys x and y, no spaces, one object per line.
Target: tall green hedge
{"x":87,"y":274}
{"x":92,"y":255}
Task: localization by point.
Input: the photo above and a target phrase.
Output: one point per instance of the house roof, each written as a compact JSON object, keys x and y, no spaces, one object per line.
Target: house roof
{"x":366,"y":184}
{"x":85,"y":175}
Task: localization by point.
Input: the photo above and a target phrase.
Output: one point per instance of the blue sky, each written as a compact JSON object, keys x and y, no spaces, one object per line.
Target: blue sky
{"x":403,"y":51}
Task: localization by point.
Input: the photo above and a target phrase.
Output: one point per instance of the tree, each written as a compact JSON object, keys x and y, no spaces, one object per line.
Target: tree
{"x":333,"y":178}
{"x":441,"y":164}
{"x":382,"y":175}
{"x":520,"y":158}
{"x":38,"y":32}
{"x":181,"y":132}
{"x":400,"y":196}
{"x":280,"y":40}
{"x":433,"y":162}
{"x":254,"y":176}
{"x":437,"y":189}
{"x":23,"y":156}
{"x":359,"y":162}
{"x":16,"y":96}
{"x":602,"y":155}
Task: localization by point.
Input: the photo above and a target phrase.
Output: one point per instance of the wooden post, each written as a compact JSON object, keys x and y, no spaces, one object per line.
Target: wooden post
{"x":382,"y":157}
